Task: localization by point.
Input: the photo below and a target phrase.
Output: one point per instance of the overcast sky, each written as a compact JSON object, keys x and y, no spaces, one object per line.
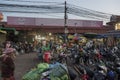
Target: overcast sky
{"x":105,"y":6}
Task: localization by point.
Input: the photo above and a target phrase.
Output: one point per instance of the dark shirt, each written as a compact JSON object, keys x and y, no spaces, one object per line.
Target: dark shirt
{"x":7,"y":66}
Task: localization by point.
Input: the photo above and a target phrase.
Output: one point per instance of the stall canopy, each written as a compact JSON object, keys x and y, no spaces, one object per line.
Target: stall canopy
{"x":99,"y":36}
{"x":2,"y":31}
{"x":114,"y":33}
{"x":94,"y":35}
{"x":7,"y":29}
{"x":90,"y":35}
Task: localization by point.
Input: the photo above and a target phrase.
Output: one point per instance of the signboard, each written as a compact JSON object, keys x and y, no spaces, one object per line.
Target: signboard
{"x":53,"y":22}
{"x":49,"y":22}
{"x":85,"y":23}
{"x":20,"y":21}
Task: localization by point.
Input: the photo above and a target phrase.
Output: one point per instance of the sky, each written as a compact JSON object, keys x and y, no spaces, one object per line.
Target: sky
{"x":105,"y":6}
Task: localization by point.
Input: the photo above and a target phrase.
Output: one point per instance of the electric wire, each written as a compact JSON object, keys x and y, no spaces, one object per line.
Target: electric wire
{"x":49,"y":7}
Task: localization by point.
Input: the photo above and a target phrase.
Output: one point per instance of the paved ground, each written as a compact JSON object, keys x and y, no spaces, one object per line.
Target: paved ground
{"x":24,"y":63}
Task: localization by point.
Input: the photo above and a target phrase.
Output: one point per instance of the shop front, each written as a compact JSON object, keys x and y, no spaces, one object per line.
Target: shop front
{"x":44,"y":26}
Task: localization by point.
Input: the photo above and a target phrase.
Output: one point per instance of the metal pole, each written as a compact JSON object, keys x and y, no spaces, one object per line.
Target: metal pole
{"x":65,"y":23}
{"x":75,"y":28}
{"x":65,"y":16}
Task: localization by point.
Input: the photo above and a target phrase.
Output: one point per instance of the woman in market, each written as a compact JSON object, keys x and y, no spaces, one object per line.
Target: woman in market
{"x":46,"y":52}
{"x":7,"y":61}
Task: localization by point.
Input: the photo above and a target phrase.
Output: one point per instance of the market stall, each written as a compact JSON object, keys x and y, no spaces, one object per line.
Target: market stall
{"x":47,"y":71}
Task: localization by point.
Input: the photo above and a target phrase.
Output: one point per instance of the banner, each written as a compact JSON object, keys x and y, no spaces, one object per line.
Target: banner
{"x":50,"y":22}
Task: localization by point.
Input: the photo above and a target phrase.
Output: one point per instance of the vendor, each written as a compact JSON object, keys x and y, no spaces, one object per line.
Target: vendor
{"x":46,"y":52}
{"x":45,"y":46}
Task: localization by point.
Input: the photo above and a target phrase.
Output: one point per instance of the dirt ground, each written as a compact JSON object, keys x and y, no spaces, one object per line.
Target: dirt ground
{"x":24,"y":63}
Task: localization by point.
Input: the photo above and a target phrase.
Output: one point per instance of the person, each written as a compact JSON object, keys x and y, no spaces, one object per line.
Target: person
{"x":7,"y":62}
{"x":46,"y":52}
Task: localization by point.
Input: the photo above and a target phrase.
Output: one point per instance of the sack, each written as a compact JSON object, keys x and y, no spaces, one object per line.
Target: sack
{"x":43,"y":66}
{"x":58,"y":71}
{"x":32,"y":75}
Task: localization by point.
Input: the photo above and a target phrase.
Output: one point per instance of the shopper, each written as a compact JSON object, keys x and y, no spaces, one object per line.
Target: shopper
{"x":7,"y":61}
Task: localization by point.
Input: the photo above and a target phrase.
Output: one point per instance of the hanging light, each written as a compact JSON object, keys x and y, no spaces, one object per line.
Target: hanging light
{"x":50,"y":34}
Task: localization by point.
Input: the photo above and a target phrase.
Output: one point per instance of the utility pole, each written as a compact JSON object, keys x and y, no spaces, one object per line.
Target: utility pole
{"x":65,"y":22}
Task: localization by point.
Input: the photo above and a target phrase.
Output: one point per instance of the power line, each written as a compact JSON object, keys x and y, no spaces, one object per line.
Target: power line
{"x":78,"y":7}
{"x":88,"y":14}
{"x":26,"y":11}
{"x":31,"y":6}
{"x":53,"y":8}
{"x":30,"y":1}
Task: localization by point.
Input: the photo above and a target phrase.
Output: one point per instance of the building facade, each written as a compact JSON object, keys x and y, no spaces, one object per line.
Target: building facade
{"x":29,"y":27}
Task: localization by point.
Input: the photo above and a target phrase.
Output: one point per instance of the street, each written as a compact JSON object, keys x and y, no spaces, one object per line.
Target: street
{"x":30,"y":61}
{"x":23,"y":64}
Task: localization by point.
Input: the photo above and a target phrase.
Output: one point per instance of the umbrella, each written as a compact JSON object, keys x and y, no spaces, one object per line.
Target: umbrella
{"x":90,"y":35}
